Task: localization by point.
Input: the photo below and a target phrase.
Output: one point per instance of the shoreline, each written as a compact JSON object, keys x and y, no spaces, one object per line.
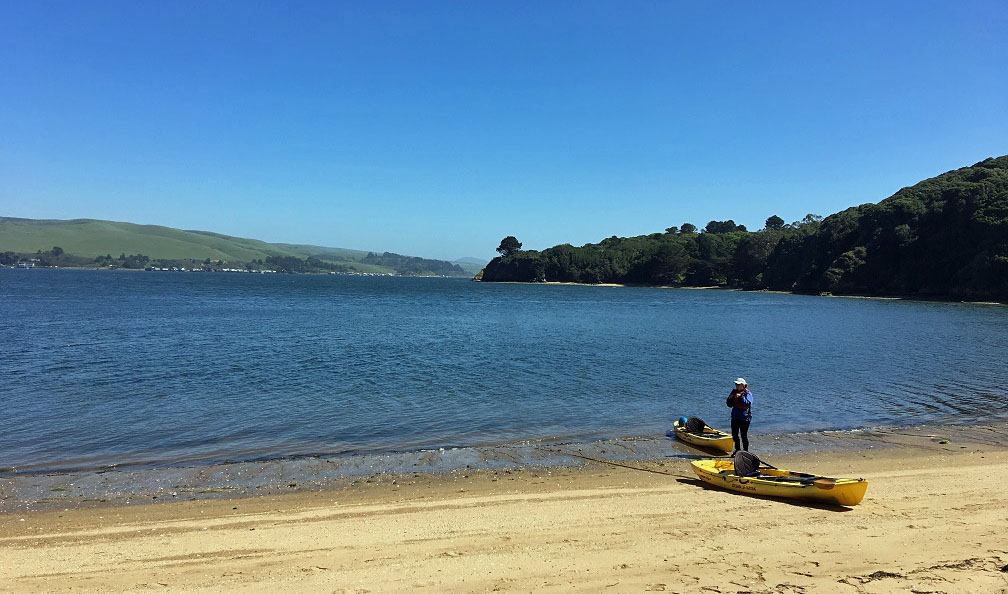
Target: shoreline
{"x":107,"y":487}
{"x":238,"y":272}
{"x":936,"y":299}
{"x":928,"y":300}
{"x":645,"y":526}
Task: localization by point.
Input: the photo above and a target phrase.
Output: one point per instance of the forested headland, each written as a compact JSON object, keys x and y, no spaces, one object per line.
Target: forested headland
{"x":945,"y":237}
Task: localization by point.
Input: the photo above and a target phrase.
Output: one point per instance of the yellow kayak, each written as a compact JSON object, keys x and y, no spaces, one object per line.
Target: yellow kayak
{"x":707,"y":438}
{"x":774,"y":482}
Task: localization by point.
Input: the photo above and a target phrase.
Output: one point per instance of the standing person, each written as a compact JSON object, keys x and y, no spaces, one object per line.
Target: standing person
{"x":740,"y":402}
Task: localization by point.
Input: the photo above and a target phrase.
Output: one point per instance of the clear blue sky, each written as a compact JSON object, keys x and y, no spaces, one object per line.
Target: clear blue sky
{"x":436,"y":129}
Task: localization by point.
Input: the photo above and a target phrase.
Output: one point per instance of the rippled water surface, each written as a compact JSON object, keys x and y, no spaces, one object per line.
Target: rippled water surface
{"x":106,"y":368}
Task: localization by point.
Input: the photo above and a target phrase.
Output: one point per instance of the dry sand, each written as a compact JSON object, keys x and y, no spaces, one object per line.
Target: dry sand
{"x":935,"y":519}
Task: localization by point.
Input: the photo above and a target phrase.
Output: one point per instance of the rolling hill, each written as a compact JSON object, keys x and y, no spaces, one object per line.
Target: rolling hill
{"x":90,"y":238}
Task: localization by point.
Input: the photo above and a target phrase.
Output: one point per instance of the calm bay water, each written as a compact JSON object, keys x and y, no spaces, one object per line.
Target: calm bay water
{"x":102,"y":368}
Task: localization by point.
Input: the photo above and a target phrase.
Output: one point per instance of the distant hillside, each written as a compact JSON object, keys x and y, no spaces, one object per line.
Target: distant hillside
{"x":945,"y":237}
{"x":470,"y":265}
{"x":88,"y":240}
{"x":320,"y":251}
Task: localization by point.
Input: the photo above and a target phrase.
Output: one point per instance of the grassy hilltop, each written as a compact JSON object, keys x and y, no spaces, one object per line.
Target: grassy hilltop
{"x":88,"y":241}
{"x":91,"y":238}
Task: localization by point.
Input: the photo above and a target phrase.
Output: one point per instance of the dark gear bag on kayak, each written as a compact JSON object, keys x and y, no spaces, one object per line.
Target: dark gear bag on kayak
{"x":695,"y":425}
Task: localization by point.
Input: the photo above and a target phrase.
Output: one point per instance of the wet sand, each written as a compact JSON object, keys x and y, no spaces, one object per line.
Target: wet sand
{"x":22,"y":491}
{"x":932,"y":521}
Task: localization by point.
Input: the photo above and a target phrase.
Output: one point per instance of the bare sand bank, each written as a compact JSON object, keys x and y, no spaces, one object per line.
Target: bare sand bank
{"x":933,"y":520}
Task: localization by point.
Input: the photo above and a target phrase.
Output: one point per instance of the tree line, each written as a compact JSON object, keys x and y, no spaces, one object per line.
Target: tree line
{"x":945,"y":237}
{"x":403,"y":265}
{"x":413,"y":265}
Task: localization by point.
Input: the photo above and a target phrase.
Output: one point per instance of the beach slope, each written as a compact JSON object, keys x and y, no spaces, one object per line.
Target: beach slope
{"x":932,"y":521}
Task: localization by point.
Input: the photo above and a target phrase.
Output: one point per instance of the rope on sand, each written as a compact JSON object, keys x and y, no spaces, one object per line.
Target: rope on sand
{"x":611,"y":463}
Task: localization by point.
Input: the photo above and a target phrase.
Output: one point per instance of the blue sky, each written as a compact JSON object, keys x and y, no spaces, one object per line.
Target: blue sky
{"x":436,"y":129}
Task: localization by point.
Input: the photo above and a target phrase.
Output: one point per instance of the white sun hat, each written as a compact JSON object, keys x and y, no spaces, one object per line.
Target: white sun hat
{"x":742,"y":381}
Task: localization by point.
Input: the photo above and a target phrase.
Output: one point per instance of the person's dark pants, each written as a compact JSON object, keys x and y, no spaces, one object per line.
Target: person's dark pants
{"x":739,"y":426}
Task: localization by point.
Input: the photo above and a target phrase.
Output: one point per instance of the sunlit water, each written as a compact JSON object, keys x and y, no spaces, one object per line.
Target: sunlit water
{"x":104,"y":368}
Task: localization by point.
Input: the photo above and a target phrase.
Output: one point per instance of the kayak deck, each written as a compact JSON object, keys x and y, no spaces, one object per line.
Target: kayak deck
{"x":710,"y":438}
{"x":774,"y":482}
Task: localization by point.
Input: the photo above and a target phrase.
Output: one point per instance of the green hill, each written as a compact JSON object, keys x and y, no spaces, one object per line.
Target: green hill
{"x":91,"y":238}
{"x":320,"y":251}
{"x":84,"y":240}
{"x":944,"y":237}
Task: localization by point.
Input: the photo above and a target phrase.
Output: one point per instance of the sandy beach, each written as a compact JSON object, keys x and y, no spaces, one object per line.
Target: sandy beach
{"x":933,"y":521}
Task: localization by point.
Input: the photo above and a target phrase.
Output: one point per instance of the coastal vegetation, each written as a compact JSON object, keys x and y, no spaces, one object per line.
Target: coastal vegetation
{"x":86,"y":243}
{"x":945,"y":237}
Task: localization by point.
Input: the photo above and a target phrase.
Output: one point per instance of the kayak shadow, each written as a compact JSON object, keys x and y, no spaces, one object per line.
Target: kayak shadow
{"x":703,"y":452}
{"x":796,"y":503}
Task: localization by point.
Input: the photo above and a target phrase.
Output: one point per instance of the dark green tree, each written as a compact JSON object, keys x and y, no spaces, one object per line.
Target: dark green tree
{"x":687,"y":228}
{"x":774,"y":222}
{"x":668,"y":266}
{"x":750,"y":258}
{"x":720,"y":226}
{"x":508,"y":246}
